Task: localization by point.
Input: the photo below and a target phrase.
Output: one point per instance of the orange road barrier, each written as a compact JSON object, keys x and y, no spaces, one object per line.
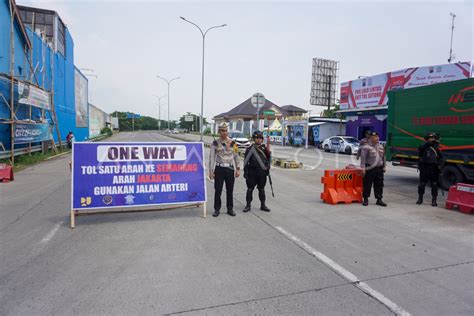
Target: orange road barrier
{"x":462,"y":196}
{"x":6,"y":173}
{"x":342,"y":186}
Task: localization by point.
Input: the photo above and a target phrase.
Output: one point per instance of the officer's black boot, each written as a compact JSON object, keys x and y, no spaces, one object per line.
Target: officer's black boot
{"x":420,"y":199}
{"x":365,"y":202}
{"x":261,"y":195}
{"x":216,"y":213}
{"x":248,"y":198}
{"x":434,"y":193}
{"x":380,"y":202}
{"x":421,"y":192}
{"x":247,"y":207}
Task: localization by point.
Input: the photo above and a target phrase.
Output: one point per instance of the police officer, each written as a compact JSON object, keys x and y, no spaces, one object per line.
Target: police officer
{"x":373,"y":164}
{"x":224,"y":167}
{"x":362,"y":142}
{"x":429,"y":157}
{"x":256,"y":168}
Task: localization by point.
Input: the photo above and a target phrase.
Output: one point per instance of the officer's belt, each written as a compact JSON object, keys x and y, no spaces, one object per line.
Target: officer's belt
{"x":226,"y":165}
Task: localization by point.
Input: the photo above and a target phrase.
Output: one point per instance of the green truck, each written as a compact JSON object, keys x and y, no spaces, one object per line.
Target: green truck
{"x":446,"y":109}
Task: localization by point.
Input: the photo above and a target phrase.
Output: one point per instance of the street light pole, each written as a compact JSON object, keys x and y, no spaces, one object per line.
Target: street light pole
{"x":168,"y":82}
{"x":201,"y":120}
{"x":159,"y":109}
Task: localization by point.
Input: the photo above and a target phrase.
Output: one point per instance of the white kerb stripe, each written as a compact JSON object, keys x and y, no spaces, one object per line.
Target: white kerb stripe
{"x":345,"y":274}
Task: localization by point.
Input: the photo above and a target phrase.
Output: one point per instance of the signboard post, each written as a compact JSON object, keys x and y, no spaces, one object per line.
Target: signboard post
{"x":111,"y":176}
{"x":258,"y":101}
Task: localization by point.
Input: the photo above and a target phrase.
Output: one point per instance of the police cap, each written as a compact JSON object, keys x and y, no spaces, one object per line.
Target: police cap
{"x":223,"y":127}
{"x":430,"y":135}
{"x":373,"y":133}
{"x":257,"y":134}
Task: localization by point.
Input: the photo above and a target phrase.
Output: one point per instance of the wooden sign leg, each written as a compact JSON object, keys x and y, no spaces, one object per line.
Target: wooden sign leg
{"x":204,"y":210}
{"x":73,"y":219}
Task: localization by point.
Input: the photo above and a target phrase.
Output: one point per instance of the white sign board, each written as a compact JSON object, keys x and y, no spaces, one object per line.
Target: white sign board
{"x":189,"y":118}
{"x":258,"y":100}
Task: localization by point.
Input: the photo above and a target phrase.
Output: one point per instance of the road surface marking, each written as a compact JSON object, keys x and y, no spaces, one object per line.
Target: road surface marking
{"x":364,"y":287}
{"x":51,"y":233}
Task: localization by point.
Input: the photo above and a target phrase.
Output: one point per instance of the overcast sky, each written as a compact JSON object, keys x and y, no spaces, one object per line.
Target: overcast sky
{"x":267,"y":47}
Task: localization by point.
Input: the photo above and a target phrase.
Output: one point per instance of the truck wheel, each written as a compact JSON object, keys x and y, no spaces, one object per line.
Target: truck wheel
{"x":348,"y":150}
{"x":326,"y":148}
{"x":450,"y":175}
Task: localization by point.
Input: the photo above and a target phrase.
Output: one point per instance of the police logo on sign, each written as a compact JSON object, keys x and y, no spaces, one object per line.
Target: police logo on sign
{"x":107,"y":200}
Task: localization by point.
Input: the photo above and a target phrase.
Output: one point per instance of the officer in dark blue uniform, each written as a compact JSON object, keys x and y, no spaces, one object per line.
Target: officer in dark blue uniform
{"x":429,"y":157}
{"x":256,"y":168}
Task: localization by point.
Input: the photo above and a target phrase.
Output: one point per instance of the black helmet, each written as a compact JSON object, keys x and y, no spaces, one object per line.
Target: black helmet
{"x":430,"y":135}
{"x":257,"y":134}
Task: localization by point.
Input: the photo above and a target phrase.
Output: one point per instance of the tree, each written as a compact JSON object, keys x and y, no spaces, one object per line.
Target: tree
{"x":191,"y":125}
{"x":332,"y":112}
{"x":140,"y":123}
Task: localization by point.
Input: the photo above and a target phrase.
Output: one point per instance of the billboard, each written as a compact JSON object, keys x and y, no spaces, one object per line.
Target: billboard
{"x":81,"y":98}
{"x":372,"y":91}
{"x":424,"y":76}
{"x":97,"y":120}
{"x":324,"y":82}
{"x":111,"y":175}
{"x":31,"y":95}
{"x":32,"y":133}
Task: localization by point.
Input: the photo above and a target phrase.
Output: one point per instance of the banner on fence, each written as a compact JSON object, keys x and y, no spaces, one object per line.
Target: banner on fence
{"x":111,"y":175}
{"x":32,"y":133}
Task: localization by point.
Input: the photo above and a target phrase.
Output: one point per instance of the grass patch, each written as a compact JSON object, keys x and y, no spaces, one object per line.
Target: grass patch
{"x":23,"y":161}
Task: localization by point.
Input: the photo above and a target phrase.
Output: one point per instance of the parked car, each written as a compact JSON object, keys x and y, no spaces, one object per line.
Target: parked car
{"x":342,"y":144}
{"x":240,"y":139}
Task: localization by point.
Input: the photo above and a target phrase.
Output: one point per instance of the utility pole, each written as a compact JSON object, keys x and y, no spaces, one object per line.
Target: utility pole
{"x":168,"y":82}
{"x":451,"y":56}
{"x":159,"y":109}
{"x":203,"y":33}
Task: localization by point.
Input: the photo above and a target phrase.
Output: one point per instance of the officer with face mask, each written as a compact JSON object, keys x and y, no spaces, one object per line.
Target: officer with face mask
{"x":429,"y":157}
{"x":256,"y":167}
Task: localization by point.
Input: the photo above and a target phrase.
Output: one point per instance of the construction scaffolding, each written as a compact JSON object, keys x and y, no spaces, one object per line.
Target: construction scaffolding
{"x":17,"y":98}
{"x":324,"y":82}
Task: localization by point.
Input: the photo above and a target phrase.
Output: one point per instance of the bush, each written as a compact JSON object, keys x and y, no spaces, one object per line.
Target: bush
{"x":107,"y":131}
{"x":207,"y":131}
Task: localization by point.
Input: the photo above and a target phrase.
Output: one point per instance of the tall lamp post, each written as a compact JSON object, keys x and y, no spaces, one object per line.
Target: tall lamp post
{"x":168,"y":82}
{"x":203,"y":33}
{"x":159,"y":109}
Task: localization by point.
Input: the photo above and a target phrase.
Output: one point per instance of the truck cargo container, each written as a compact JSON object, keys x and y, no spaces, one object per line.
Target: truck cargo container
{"x":446,"y":109}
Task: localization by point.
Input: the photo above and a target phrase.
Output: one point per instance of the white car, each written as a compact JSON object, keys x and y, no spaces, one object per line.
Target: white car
{"x":240,"y":139}
{"x":341,"y":144}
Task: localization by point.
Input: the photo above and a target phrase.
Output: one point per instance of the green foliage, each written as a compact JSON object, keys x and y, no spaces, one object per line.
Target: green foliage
{"x":107,"y":131}
{"x":141,"y":123}
{"x":332,"y":112}
{"x":207,"y":131}
{"x":191,"y":126}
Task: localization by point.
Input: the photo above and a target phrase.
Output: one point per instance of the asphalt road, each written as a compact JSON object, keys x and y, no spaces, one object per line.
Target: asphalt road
{"x":304,"y":257}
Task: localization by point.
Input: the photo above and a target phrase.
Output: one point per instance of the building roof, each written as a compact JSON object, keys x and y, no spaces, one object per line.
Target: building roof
{"x":293,"y":108}
{"x":247,"y":109}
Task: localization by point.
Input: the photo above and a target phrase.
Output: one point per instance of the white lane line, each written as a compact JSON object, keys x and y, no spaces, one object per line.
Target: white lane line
{"x":51,"y":233}
{"x":364,"y":287}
